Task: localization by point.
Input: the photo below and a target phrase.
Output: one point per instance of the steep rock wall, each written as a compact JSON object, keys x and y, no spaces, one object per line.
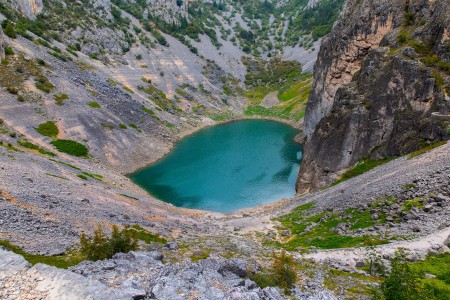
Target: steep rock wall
{"x":372,"y":95}
{"x":29,"y":8}
{"x":2,"y":46}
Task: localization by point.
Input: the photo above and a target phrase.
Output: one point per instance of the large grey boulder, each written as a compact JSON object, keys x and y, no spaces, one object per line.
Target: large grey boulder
{"x":20,"y":280}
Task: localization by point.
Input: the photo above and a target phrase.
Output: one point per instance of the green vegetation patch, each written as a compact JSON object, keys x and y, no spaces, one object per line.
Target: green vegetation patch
{"x":70,"y":258}
{"x":438,"y":265}
{"x":94,"y":104}
{"x":60,"y":98}
{"x":362,"y":167}
{"x":41,"y":82}
{"x":407,"y":280}
{"x":426,"y":149}
{"x":282,"y":273}
{"x":293,"y":89}
{"x":30,"y":145}
{"x":16,"y":71}
{"x":319,"y":230}
{"x":71,"y":147}
{"x":48,"y":128}
{"x":130,"y":197}
{"x":93,"y":175}
{"x":142,"y":234}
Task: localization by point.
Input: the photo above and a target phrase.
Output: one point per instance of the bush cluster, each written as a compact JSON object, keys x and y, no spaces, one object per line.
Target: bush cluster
{"x":103,"y":247}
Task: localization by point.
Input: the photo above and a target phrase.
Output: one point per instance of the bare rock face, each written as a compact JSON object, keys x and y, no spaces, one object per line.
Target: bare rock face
{"x":169,"y":11}
{"x":373,"y":95}
{"x":29,"y":8}
{"x":2,"y":46}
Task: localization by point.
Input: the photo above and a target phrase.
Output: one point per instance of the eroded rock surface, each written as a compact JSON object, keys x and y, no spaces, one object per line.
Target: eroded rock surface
{"x":373,"y":96}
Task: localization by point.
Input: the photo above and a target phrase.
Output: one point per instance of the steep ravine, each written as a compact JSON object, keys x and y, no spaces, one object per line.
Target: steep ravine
{"x":375,"y":88}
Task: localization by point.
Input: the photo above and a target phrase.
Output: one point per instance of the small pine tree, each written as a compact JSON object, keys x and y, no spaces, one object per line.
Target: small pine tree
{"x":101,"y":247}
{"x":10,"y":31}
{"x":282,"y":271}
{"x":403,"y":283}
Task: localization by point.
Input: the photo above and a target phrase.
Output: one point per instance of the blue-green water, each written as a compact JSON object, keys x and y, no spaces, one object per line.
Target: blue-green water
{"x":227,"y":167}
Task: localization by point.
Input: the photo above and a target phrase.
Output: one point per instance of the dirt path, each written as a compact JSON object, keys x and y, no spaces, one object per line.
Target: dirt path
{"x":349,"y":256}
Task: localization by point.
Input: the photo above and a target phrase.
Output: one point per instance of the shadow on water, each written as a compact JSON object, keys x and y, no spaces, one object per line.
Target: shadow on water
{"x":167,"y":192}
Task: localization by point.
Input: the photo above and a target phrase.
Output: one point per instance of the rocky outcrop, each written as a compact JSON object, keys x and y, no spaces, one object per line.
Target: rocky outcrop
{"x":2,"y":46}
{"x":143,"y":276}
{"x":374,"y":91}
{"x":29,"y":8}
{"x":135,"y":275}
{"x":20,"y":280}
{"x":169,"y":11}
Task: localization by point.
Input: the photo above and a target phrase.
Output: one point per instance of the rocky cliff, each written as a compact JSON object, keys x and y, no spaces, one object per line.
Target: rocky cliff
{"x":29,"y":8}
{"x":380,"y":73}
{"x":2,"y":46}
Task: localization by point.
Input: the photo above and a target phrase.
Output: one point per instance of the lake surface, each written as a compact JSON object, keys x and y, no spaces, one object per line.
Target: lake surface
{"x":227,"y":167}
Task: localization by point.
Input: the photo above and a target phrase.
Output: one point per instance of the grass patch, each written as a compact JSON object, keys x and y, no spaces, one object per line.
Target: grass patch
{"x":144,"y":235}
{"x":94,"y":104}
{"x":293,"y":97}
{"x":66,"y":164}
{"x":42,"y":83}
{"x":200,"y":254}
{"x":135,"y":127}
{"x":409,"y":204}
{"x":71,"y":258}
{"x":360,"y":168}
{"x":150,"y":112}
{"x":92,"y":175}
{"x":32,"y":146}
{"x":318,"y":230}
{"x":70,"y":147}
{"x":130,"y":197}
{"x":48,"y":128}
{"x":426,"y":149}
{"x":82,"y":176}
{"x":437,"y":265}
{"x":110,"y":80}
{"x":60,"y":98}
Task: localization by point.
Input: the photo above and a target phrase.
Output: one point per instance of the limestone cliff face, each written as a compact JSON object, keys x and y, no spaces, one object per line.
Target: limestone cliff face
{"x":2,"y":46}
{"x":29,"y":8}
{"x":374,"y":89}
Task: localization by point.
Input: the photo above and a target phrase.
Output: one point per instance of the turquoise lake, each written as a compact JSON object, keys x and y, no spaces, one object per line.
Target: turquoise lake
{"x":227,"y":167}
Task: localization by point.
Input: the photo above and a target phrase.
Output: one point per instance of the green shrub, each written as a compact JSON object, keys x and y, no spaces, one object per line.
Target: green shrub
{"x":12,"y":90}
{"x":403,"y":283}
{"x":426,"y":149}
{"x":49,"y":129}
{"x":28,"y":145}
{"x":70,"y":147}
{"x":94,"y":104}
{"x":82,"y":176}
{"x":281,"y":274}
{"x":9,"y":51}
{"x":362,"y":167}
{"x":103,"y":247}
{"x":40,"y":62}
{"x":42,"y":83}
{"x":10,"y":31}
{"x":123,"y":126}
{"x":59,"y":98}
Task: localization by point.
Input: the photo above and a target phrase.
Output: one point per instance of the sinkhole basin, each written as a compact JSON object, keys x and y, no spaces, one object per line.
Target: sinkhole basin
{"x":227,"y":167}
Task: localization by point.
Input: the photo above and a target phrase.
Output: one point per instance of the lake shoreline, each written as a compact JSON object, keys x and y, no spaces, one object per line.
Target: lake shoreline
{"x":216,"y":155}
{"x":205,"y":125}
